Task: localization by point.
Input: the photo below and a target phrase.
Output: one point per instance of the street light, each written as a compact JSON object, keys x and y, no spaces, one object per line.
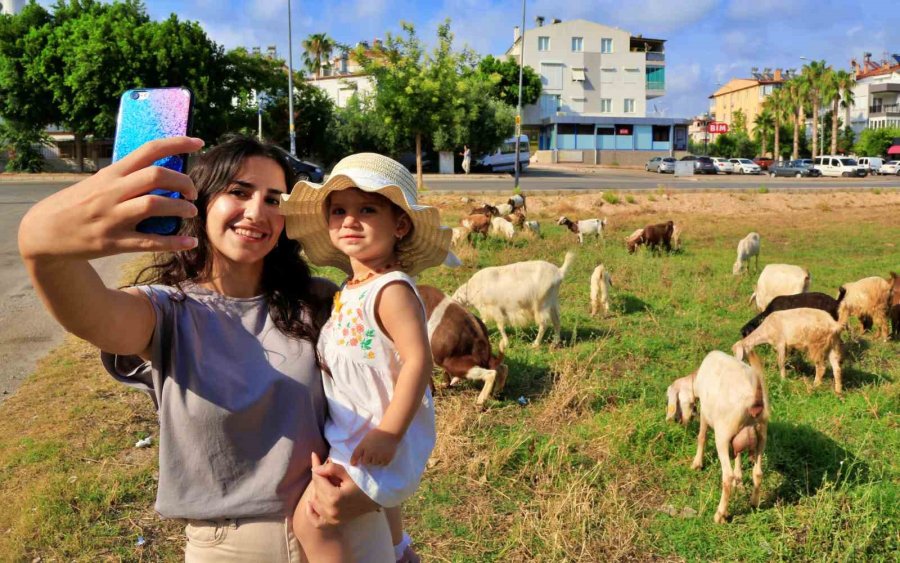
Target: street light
{"x":291,"y":85}
{"x":519,"y":106}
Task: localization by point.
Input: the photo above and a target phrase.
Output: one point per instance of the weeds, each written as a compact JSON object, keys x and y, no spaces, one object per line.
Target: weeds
{"x":610,"y":197}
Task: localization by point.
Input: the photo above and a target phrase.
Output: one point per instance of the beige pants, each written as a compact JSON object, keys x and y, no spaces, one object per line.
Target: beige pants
{"x":270,"y":540}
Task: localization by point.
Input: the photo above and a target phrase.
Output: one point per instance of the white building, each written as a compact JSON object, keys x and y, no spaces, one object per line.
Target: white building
{"x":597,"y":81}
{"x":343,"y":77}
{"x":876,"y":102}
{"x":9,"y":7}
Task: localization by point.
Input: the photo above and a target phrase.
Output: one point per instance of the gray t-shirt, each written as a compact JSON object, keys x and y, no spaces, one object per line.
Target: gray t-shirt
{"x":240,"y":405}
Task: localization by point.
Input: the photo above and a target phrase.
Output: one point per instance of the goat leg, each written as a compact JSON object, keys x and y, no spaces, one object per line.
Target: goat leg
{"x":761,"y":430}
{"x":834,"y":357}
{"x":723,"y":441}
{"x":701,"y":444}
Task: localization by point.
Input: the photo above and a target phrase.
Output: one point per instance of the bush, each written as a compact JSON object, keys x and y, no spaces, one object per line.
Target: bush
{"x":610,"y":197}
{"x":875,"y":142}
{"x":23,"y":145}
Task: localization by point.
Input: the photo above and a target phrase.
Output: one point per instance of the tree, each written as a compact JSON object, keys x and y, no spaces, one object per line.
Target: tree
{"x":762,"y":126}
{"x":844,"y":82}
{"x":318,"y":48}
{"x":874,"y":142}
{"x":504,"y":78}
{"x":815,"y":76}
{"x":22,"y":142}
{"x":777,"y":106}
{"x":739,"y":121}
{"x":313,"y":117}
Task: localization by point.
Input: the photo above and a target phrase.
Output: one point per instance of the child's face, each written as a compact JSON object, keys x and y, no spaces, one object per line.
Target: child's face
{"x":365,"y":226}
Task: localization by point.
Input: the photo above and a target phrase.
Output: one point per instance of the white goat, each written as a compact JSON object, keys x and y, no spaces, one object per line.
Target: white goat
{"x":583,"y":227}
{"x":502,"y":227}
{"x":504,"y":209}
{"x":517,"y":294}
{"x":600,"y":284}
{"x":534,"y":227}
{"x":809,"y":330}
{"x":734,"y":402}
{"x":779,"y":279}
{"x":459,"y":234}
{"x":867,"y":297}
{"x":746,"y":248}
{"x":676,"y":236}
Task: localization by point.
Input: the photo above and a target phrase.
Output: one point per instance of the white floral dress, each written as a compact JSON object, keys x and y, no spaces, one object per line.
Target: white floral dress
{"x":364,"y":365}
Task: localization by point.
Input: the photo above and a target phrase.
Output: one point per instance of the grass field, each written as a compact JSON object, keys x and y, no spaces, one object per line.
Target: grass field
{"x":587,"y":469}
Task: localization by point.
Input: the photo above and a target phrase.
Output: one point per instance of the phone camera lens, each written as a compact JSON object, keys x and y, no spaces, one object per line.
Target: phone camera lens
{"x":135,"y":95}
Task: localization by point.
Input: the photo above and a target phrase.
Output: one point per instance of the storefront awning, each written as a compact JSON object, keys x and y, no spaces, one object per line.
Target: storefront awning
{"x":578,"y":74}
{"x":894,"y":150}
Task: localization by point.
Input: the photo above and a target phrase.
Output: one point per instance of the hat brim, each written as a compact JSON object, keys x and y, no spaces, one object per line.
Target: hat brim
{"x":305,"y":221}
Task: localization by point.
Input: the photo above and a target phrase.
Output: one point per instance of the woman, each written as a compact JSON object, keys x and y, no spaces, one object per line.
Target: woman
{"x":228,"y":328}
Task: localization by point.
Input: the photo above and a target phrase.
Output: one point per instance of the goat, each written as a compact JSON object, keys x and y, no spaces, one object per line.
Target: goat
{"x":502,"y":227}
{"x":459,"y":234}
{"x":517,"y":294}
{"x":746,"y":249}
{"x":477,"y":223}
{"x":583,"y":227}
{"x":504,"y":209}
{"x":485,"y":209}
{"x":868,"y":297}
{"x":652,"y":236}
{"x":676,"y":236}
{"x":809,"y":330}
{"x":534,"y":227}
{"x":894,"y":305}
{"x":517,"y":218}
{"x":518,"y":202}
{"x":779,"y":279}
{"x":631,"y":240}
{"x":600,"y":284}
{"x":460,"y":344}
{"x":734,"y":402}
{"x":811,"y":300}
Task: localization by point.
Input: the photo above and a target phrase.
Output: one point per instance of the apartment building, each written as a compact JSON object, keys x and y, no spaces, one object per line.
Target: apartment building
{"x":597,"y":82}
{"x":344,"y":76}
{"x":876,"y":96}
{"x":746,"y":95}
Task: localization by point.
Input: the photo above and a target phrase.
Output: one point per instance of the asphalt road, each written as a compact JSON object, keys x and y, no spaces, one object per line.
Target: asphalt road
{"x":27,"y":332}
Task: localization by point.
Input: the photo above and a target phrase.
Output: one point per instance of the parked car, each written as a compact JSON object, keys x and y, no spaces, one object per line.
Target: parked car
{"x":872,"y":163}
{"x":504,"y":157}
{"x":763,"y":162}
{"x":745,"y":166}
{"x":795,"y":168}
{"x":305,"y":170}
{"x":837,"y":166}
{"x":723,"y":165}
{"x":890,"y":167}
{"x":702,"y":164}
{"x":661,"y":164}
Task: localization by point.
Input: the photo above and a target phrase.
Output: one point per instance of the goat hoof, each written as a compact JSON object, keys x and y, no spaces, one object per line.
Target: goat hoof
{"x":697,"y":465}
{"x":720,"y":518}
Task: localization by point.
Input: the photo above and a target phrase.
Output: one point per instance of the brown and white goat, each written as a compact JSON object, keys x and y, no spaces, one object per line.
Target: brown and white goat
{"x":894,"y":304}
{"x":477,"y":223}
{"x":868,"y":297}
{"x":734,"y":402}
{"x":652,"y":236}
{"x":486,"y":209}
{"x":460,"y":344}
{"x":584,"y":227}
{"x":809,"y":330}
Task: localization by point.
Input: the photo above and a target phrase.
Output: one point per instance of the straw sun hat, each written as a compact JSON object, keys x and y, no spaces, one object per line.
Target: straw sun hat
{"x":305,"y":217}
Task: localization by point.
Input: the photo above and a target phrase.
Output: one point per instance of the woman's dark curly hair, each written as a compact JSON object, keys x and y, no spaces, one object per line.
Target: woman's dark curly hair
{"x":286,"y":278}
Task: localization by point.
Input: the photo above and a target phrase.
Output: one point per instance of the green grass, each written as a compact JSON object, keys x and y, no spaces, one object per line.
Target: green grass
{"x":610,"y":197}
{"x":581,"y":472}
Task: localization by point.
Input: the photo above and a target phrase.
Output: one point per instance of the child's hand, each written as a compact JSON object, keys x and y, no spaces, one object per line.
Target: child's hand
{"x":377,"y":448}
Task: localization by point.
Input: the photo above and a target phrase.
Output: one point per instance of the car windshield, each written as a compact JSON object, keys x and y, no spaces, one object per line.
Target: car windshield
{"x":745,"y":161}
{"x":894,"y":162}
{"x":848,"y":162}
{"x":670,"y":159}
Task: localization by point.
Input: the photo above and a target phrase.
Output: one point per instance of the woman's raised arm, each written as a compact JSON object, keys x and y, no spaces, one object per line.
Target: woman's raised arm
{"x":97,"y":217}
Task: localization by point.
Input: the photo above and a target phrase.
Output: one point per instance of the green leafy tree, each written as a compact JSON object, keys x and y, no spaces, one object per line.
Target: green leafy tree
{"x":875,"y":142}
{"x":356,"y":127}
{"x":24,"y":96}
{"x":313,"y":117}
{"x":739,"y":121}
{"x":504,"y":79}
{"x":22,"y":144}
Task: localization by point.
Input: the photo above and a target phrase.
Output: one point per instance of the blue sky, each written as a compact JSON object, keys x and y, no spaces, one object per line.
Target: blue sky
{"x":708,"y":41}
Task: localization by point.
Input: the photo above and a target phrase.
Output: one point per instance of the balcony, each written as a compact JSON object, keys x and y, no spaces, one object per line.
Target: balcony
{"x":886,"y":110}
{"x":655,"y":88}
{"x":653,"y":57}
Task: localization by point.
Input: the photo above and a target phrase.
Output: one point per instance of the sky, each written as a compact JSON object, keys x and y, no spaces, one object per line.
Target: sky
{"x":708,"y":42}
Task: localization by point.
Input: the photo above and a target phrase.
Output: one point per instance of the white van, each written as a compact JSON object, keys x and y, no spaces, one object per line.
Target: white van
{"x":504,"y":158}
{"x":837,"y":166}
{"x":871,"y":163}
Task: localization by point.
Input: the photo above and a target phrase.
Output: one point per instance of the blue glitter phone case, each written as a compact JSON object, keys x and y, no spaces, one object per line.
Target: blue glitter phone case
{"x":146,"y":114}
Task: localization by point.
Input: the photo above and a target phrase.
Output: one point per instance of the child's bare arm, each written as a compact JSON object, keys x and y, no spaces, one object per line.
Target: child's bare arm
{"x":402,"y":318}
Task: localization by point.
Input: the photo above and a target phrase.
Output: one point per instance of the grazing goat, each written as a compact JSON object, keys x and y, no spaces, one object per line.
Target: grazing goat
{"x":459,"y":234}
{"x":676,"y":236}
{"x":517,"y":218}
{"x":779,"y":279}
{"x":584,"y":227}
{"x":477,"y":223}
{"x":746,"y":249}
{"x":734,"y":402}
{"x":517,"y":294}
{"x":811,"y":300}
{"x":460,"y":344}
{"x":485,"y":209}
{"x":810,"y":330}
{"x":867,"y":297}
{"x":652,"y":236}
{"x":504,"y":209}
{"x":502,"y":227}
{"x":631,"y":240}
{"x":518,"y":202}
{"x":600,"y":284}
{"x":894,"y":304}
{"x":534,"y":227}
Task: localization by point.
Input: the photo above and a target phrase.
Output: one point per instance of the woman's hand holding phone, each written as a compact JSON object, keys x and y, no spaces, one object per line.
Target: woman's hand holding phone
{"x":99,"y":215}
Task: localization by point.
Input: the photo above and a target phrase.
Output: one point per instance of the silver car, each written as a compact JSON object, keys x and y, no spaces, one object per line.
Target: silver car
{"x":723,"y":165}
{"x":745,"y":166}
{"x":661,"y":165}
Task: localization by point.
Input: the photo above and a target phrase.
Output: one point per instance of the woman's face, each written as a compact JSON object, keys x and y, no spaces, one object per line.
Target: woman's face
{"x":242,"y":222}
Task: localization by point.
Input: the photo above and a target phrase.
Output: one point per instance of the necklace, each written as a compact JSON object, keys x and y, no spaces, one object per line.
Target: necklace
{"x":352,"y":282}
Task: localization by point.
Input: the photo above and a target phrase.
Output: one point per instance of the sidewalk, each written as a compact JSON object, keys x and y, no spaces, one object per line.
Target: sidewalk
{"x":42,"y":177}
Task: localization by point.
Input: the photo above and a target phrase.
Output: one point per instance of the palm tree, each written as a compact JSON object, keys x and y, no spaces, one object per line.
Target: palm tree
{"x":762,"y":126}
{"x":846,"y":82}
{"x":776,"y":103}
{"x":831,"y":94}
{"x":815,"y":76}
{"x":318,"y":48}
{"x":795,"y":98}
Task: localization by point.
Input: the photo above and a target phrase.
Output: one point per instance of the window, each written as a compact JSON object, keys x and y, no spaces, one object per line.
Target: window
{"x":605,"y":105}
{"x":606,"y":45}
{"x":543,"y":43}
{"x":607,"y":75}
{"x":629,"y":105}
{"x":660,"y":133}
{"x":552,"y":76}
{"x":577,"y":106}
{"x":578,"y":74}
{"x":577,"y":44}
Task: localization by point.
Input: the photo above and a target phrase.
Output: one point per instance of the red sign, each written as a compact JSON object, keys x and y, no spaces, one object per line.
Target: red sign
{"x":715,"y":127}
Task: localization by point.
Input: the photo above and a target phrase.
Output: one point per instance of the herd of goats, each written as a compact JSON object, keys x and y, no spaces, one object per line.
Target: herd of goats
{"x":730,"y":387}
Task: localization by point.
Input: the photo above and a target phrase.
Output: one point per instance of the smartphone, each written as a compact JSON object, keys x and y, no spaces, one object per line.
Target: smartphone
{"x":146,"y":114}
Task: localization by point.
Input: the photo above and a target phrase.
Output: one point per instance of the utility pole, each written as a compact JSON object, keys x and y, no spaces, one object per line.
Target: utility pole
{"x":519,"y":106}
{"x":291,"y":85}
